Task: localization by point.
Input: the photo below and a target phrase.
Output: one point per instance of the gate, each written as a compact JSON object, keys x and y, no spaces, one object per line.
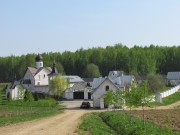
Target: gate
{"x":78,"y":95}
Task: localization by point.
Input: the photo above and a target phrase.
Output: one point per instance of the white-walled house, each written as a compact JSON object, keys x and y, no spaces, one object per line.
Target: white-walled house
{"x":115,"y":81}
{"x":16,"y":91}
{"x":101,"y":90}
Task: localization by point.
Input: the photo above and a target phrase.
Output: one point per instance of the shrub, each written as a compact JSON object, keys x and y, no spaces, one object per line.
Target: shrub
{"x":9,"y":96}
{"x":156,"y":82}
{"x":28,"y":96}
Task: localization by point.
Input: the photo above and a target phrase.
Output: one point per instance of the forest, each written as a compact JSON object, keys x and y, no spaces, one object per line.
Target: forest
{"x":137,"y":60}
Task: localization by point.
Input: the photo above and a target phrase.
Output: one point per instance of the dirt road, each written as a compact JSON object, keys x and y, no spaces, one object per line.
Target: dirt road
{"x":62,"y":124}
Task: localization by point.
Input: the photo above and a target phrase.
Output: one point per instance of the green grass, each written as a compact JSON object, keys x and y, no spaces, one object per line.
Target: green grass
{"x":117,"y":122}
{"x":17,"y":111}
{"x":169,"y":100}
{"x":93,"y":124}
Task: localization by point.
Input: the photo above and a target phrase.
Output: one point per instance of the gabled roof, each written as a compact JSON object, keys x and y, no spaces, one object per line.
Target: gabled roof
{"x":97,"y":82}
{"x":35,"y":71}
{"x":79,"y":86}
{"x":15,"y":83}
{"x":173,"y":75}
{"x":119,"y":82}
{"x":113,"y":74}
{"x":32,"y":70}
{"x":107,"y":78}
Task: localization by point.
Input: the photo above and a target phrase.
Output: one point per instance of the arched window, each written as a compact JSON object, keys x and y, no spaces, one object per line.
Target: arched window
{"x":107,"y":88}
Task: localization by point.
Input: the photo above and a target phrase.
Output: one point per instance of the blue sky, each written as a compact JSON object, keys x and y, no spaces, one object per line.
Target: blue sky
{"x":59,"y":25}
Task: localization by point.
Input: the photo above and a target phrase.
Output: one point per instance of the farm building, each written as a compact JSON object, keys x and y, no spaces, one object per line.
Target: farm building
{"x":78,"y":88}
{"x":116,"y":80}
{"x":173,"y":78}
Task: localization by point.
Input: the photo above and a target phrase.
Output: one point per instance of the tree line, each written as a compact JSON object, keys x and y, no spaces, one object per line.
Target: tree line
{"x":136,"y":60}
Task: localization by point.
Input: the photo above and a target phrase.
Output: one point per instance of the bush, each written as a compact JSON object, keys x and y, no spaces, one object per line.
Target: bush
{"x":39,"y":96}
{"x":156,"y":82}
{"x":28,"y":96}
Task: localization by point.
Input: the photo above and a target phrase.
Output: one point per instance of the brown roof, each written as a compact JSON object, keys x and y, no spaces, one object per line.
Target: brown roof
{"x":32,"y":70}
{"x":35,"y":71}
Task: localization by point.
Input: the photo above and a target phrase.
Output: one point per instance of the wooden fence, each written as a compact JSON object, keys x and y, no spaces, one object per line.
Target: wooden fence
{"x":167,"y":93}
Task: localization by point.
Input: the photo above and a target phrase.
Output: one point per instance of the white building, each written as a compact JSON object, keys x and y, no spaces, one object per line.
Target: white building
{"x":77,"y":89}
{"x":116,"y":80}
{"x":37,"y":79}
{"x":16,"y":91}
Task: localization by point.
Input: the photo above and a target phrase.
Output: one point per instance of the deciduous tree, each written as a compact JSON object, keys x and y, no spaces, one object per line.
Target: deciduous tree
{"x":58,"y":85}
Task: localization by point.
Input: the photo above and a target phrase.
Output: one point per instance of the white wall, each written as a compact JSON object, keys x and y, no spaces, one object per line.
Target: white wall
{"x":68,"y":95}
{"x":101,"y":91}
{"x":39,"y":64}
{"x":15,"y":93}
{"x":85,"y":94}
{"x":29,"y":76}
{"x":42,"y":77}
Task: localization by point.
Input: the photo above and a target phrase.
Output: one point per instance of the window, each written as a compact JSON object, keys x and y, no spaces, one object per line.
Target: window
{"x":44,"y":75}
{"x":107,"y":88}
{"x":39,"y":77}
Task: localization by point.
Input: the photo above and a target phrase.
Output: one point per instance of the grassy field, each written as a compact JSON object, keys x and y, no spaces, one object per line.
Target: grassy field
{"x":17,"y":111}
{"x":121,"y":123}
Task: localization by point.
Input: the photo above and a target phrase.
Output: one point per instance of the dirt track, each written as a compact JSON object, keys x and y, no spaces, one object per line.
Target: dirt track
{"x":62,"y":124}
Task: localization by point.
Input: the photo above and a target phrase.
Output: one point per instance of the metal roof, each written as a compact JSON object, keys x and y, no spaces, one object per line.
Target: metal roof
{"x":118,"y":81}
{"x":97,"y":82}
{"x":73,"y":79}
{"x":173,"y":75}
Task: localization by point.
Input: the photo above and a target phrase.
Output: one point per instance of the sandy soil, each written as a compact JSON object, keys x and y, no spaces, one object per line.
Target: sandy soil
{"x":62,"y":124}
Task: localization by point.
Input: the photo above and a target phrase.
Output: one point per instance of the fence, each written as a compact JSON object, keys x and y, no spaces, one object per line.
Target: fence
{"x":167,"y":93}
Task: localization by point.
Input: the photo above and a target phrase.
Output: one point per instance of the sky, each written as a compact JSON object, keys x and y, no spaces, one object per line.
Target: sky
{"x":32,"y":26}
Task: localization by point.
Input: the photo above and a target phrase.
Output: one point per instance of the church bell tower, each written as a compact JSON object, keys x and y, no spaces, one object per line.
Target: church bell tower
{"x":39,"y":61}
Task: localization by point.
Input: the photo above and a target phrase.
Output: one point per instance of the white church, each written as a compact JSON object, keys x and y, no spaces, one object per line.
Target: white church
{"x":37,"y":79}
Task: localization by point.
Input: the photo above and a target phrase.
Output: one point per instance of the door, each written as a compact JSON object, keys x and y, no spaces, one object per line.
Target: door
{"x":78,"y":95}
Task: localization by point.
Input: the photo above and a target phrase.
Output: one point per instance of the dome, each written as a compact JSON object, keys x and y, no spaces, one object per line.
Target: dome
{"x":39,"y":58}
